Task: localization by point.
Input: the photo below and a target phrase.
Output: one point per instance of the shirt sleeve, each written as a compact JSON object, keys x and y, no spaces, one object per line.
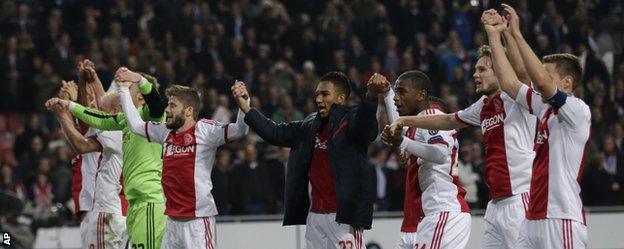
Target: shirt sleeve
{"x":156,"y":132}
{"x":436,"y":137}
{"x":97,"y":119}
{"x":431,"y":145}
{"x":215,"y":133}
{"x":110,"y":141}
{"x":530,"y":100}
{"x":574,"y":113}
{"x":471,"y":115}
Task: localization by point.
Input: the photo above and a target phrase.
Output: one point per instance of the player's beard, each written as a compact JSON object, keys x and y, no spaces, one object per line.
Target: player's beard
{"x":176,"y":122}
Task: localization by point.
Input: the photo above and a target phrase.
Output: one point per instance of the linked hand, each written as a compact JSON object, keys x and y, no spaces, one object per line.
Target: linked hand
{"x":239,"y":91}
{"x":125,"y":74}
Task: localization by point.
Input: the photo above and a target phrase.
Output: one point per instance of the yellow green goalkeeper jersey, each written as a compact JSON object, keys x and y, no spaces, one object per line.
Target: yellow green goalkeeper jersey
{"x":142,"y":162}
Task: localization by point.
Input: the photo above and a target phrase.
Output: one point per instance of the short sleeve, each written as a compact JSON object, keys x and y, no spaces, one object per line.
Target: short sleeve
{"x":471,"y":115}
{"x":215,"y":133}
{"x":530,"y":100}
{"x":575,"y":114}
{"x":110,"y":141}
{"x":156,"y":132}
{"x":436,"y":137}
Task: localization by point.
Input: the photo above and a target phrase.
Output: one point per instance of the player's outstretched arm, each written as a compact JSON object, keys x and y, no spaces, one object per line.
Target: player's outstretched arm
{"x":430,"y":152}
{"x":72,"y":135}
{"x":432,"y":122}
{"x":494,"y":26}
{"x":155,"y":103}
{"x":133,"y":119}
{"x":94,"y":118}
{"x":540,"y":78}
{"x":513,"y":53}
{"x":87,"y":72}
{"x":240,"y":128}
{"x":284,"y":134}
{"x":363,"y":126}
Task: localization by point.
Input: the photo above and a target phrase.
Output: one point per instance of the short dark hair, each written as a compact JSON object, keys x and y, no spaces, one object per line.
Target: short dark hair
{"x":340,"y":80}
{"x":187,"y":95}
{"x":566,"y":64}
{"x":440,"y":103}
{"x":418,"y":79}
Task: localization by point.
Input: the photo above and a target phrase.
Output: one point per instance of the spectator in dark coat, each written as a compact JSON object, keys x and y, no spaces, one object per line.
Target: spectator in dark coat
{"x":252,"y":192}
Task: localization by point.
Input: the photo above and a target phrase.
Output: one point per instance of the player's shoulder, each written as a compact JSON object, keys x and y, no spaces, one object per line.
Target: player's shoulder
{"x":207,"y":122}
{"x":578,"y":105}
{"x":477,"y":104}
{"x":209,"y":125}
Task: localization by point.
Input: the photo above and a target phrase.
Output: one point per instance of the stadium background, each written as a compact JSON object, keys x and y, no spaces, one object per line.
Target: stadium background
{"x":279,"y":49}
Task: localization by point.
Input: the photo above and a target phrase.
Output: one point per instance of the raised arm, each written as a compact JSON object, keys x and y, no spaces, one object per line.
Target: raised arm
{"x":89,"y":75}
{"x":133,"y":119}
{"x":364,"y":124}
{"x":74,"y":137}
{"x":513,"y":53}
{"x":540,"y":78}
{"x":284,"y":134}
{"x":240,"y":128}
{"x":502,"y":68}
{"x":155,"y":103}
{"x":94,"y":118}
{"x":515,"y":58}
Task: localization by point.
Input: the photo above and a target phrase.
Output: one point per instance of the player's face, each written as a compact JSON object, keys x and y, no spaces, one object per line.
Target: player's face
{"x":175,"y":114}
{"x":562,"y":83}
{"x":407,"y":97}
{"x":484,"y":77}
{"x":327,"y":95}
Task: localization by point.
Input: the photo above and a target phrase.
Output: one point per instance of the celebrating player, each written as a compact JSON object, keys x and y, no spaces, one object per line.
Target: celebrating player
{"x":508,"y":132}
{"x":329,"y":154}
{"x":435,"y":212}
{"x":105,"y":224}
{"x":189,"y":146}
{"x":142,"y":165}
{"x":555,"y":216}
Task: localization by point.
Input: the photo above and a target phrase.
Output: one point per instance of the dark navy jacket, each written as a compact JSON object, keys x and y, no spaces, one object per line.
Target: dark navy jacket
{"x":350,"y":131}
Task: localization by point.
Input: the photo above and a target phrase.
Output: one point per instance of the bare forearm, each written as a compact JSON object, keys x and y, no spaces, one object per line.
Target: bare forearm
{"x":434,"y":122}
{"x":515,"y":58}
{"x":537,"y":73}
{"x":503,"y":69}
{"x":73,"y":136}
{"x":98,"y":89}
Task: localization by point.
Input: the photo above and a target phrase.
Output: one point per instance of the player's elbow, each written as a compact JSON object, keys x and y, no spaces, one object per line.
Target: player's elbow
{"x":83,"y":148}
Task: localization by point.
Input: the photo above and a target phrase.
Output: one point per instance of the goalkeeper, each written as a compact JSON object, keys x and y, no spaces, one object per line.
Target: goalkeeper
{"x":142,"y":163}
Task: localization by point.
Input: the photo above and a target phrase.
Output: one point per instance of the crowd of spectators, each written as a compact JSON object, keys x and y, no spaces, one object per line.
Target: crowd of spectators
{"x":279,"y":49}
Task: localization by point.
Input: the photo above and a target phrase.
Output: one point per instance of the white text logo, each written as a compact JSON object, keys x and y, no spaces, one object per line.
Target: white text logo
{"x":176,"y":149}
{"x":492,"y":122}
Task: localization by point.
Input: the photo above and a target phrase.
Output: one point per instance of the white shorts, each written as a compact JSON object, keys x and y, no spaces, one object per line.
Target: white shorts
{"x":406,"y":241}
{"x":503,"y":219}
{"x":103,"y":230}
{"x":553,"y":233}
{"x":323,"y":232}
{"x":443,"y":230}
{"x":194,"y":233}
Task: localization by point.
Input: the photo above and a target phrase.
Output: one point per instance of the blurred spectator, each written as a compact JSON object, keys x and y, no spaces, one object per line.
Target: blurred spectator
{"x":287,"y":112}
{"x":468,"y":178}
{"x":379,"y":158}
{"x":222,"y":182}
{"x":222,"y":113}
{"x":252,"y":192}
